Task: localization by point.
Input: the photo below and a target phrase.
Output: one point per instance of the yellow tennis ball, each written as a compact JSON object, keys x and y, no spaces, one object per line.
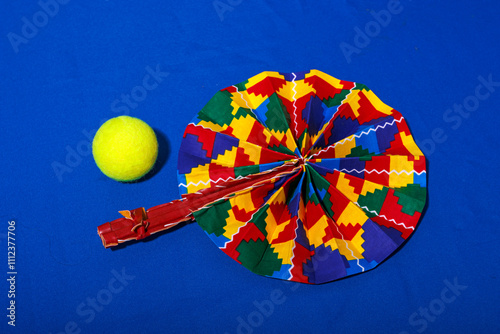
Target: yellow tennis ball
{"x":125,"y":148}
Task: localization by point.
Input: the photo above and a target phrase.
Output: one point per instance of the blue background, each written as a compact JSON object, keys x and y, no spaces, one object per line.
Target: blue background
{"x":68,"y":75}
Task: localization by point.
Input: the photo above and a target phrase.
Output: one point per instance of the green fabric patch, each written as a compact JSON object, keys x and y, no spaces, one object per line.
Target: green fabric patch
{"x":413,"y":190}
{"x":218,"y":109}
{"x":213,"y":218}
{"x":259,"y":219}
{"x":246,"y":170}
{"x":282,"y":149}
{"x":359,"y":152}
{"x":361,"y":87}
{"x":242,"y":86}
{"x":373,"y":201}
{"x":337,"y":99}
{"x":259,"y":257}
{"x":276,"y":114}
{"x":243,"y":112}
{"x":411,"y":198}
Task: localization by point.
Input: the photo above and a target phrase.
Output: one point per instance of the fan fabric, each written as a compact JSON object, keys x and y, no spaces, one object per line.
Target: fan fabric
{"x":356,"y":195}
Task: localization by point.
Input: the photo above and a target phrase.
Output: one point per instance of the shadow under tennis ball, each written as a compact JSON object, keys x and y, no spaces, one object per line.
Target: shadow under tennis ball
{"x":161,"y":160}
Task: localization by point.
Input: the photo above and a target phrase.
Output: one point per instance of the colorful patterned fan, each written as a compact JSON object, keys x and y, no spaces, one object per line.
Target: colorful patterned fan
{"x":298,"y":176}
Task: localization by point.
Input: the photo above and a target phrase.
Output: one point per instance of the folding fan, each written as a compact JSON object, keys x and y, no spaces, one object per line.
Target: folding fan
{"x":298,"y":176}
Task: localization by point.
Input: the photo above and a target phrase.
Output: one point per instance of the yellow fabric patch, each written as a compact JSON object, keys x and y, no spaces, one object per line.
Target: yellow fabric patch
{"x":212,"y":126}
{"x":347,"y":190}
{"x":262,"y":76}
{"x":290,"y":142}
{"x":317,"y":232}
{"x":242,"y":127}
{"x":377,"y":103}
{"x":410,"y":145}
{"x":233,"y":225}
{"x":328,"y":78}
{"x":227,"y":158}
{"x":284,"y":251}
{"x":354,"y":248}
{"x":370,"y":187}
{"x":333,"y":243}
{"x":250,"y":100}
{"x":343,"y":148}
{"x":352,"y":215}
{"x":252,"y":150}
{"x":198,"y":179}
{"x":271,"y":220}
{"x":305,"y":142}
{"x":353,"y":101}
{"x":242,"y":200}
{"x":295,"y":88}
{"x":401,"y":165}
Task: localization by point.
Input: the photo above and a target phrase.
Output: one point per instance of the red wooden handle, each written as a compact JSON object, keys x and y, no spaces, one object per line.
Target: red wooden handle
{"x":140,"y":223}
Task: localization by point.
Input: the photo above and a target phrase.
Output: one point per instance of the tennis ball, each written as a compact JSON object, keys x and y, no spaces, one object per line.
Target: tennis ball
{"x":125,"y":148}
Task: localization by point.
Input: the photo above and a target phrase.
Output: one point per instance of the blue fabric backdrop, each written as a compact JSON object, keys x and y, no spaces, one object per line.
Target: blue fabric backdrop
{"x":66,"y":66}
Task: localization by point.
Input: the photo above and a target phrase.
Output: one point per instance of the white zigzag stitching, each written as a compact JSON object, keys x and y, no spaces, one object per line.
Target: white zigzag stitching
{"x":347,"y":246}
{"x":380,"y":172}
{"x":296,"y":132}
{"x":209,"y":181}
{"x":246,"y":102}
{"x":294,"y":101}
{"x":384,"y":216}
{"x":199,"y":125}
{"x":350,"y":138}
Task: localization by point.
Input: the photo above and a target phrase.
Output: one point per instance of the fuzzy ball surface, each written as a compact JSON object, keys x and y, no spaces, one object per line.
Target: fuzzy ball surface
{"x":125,"y":148}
